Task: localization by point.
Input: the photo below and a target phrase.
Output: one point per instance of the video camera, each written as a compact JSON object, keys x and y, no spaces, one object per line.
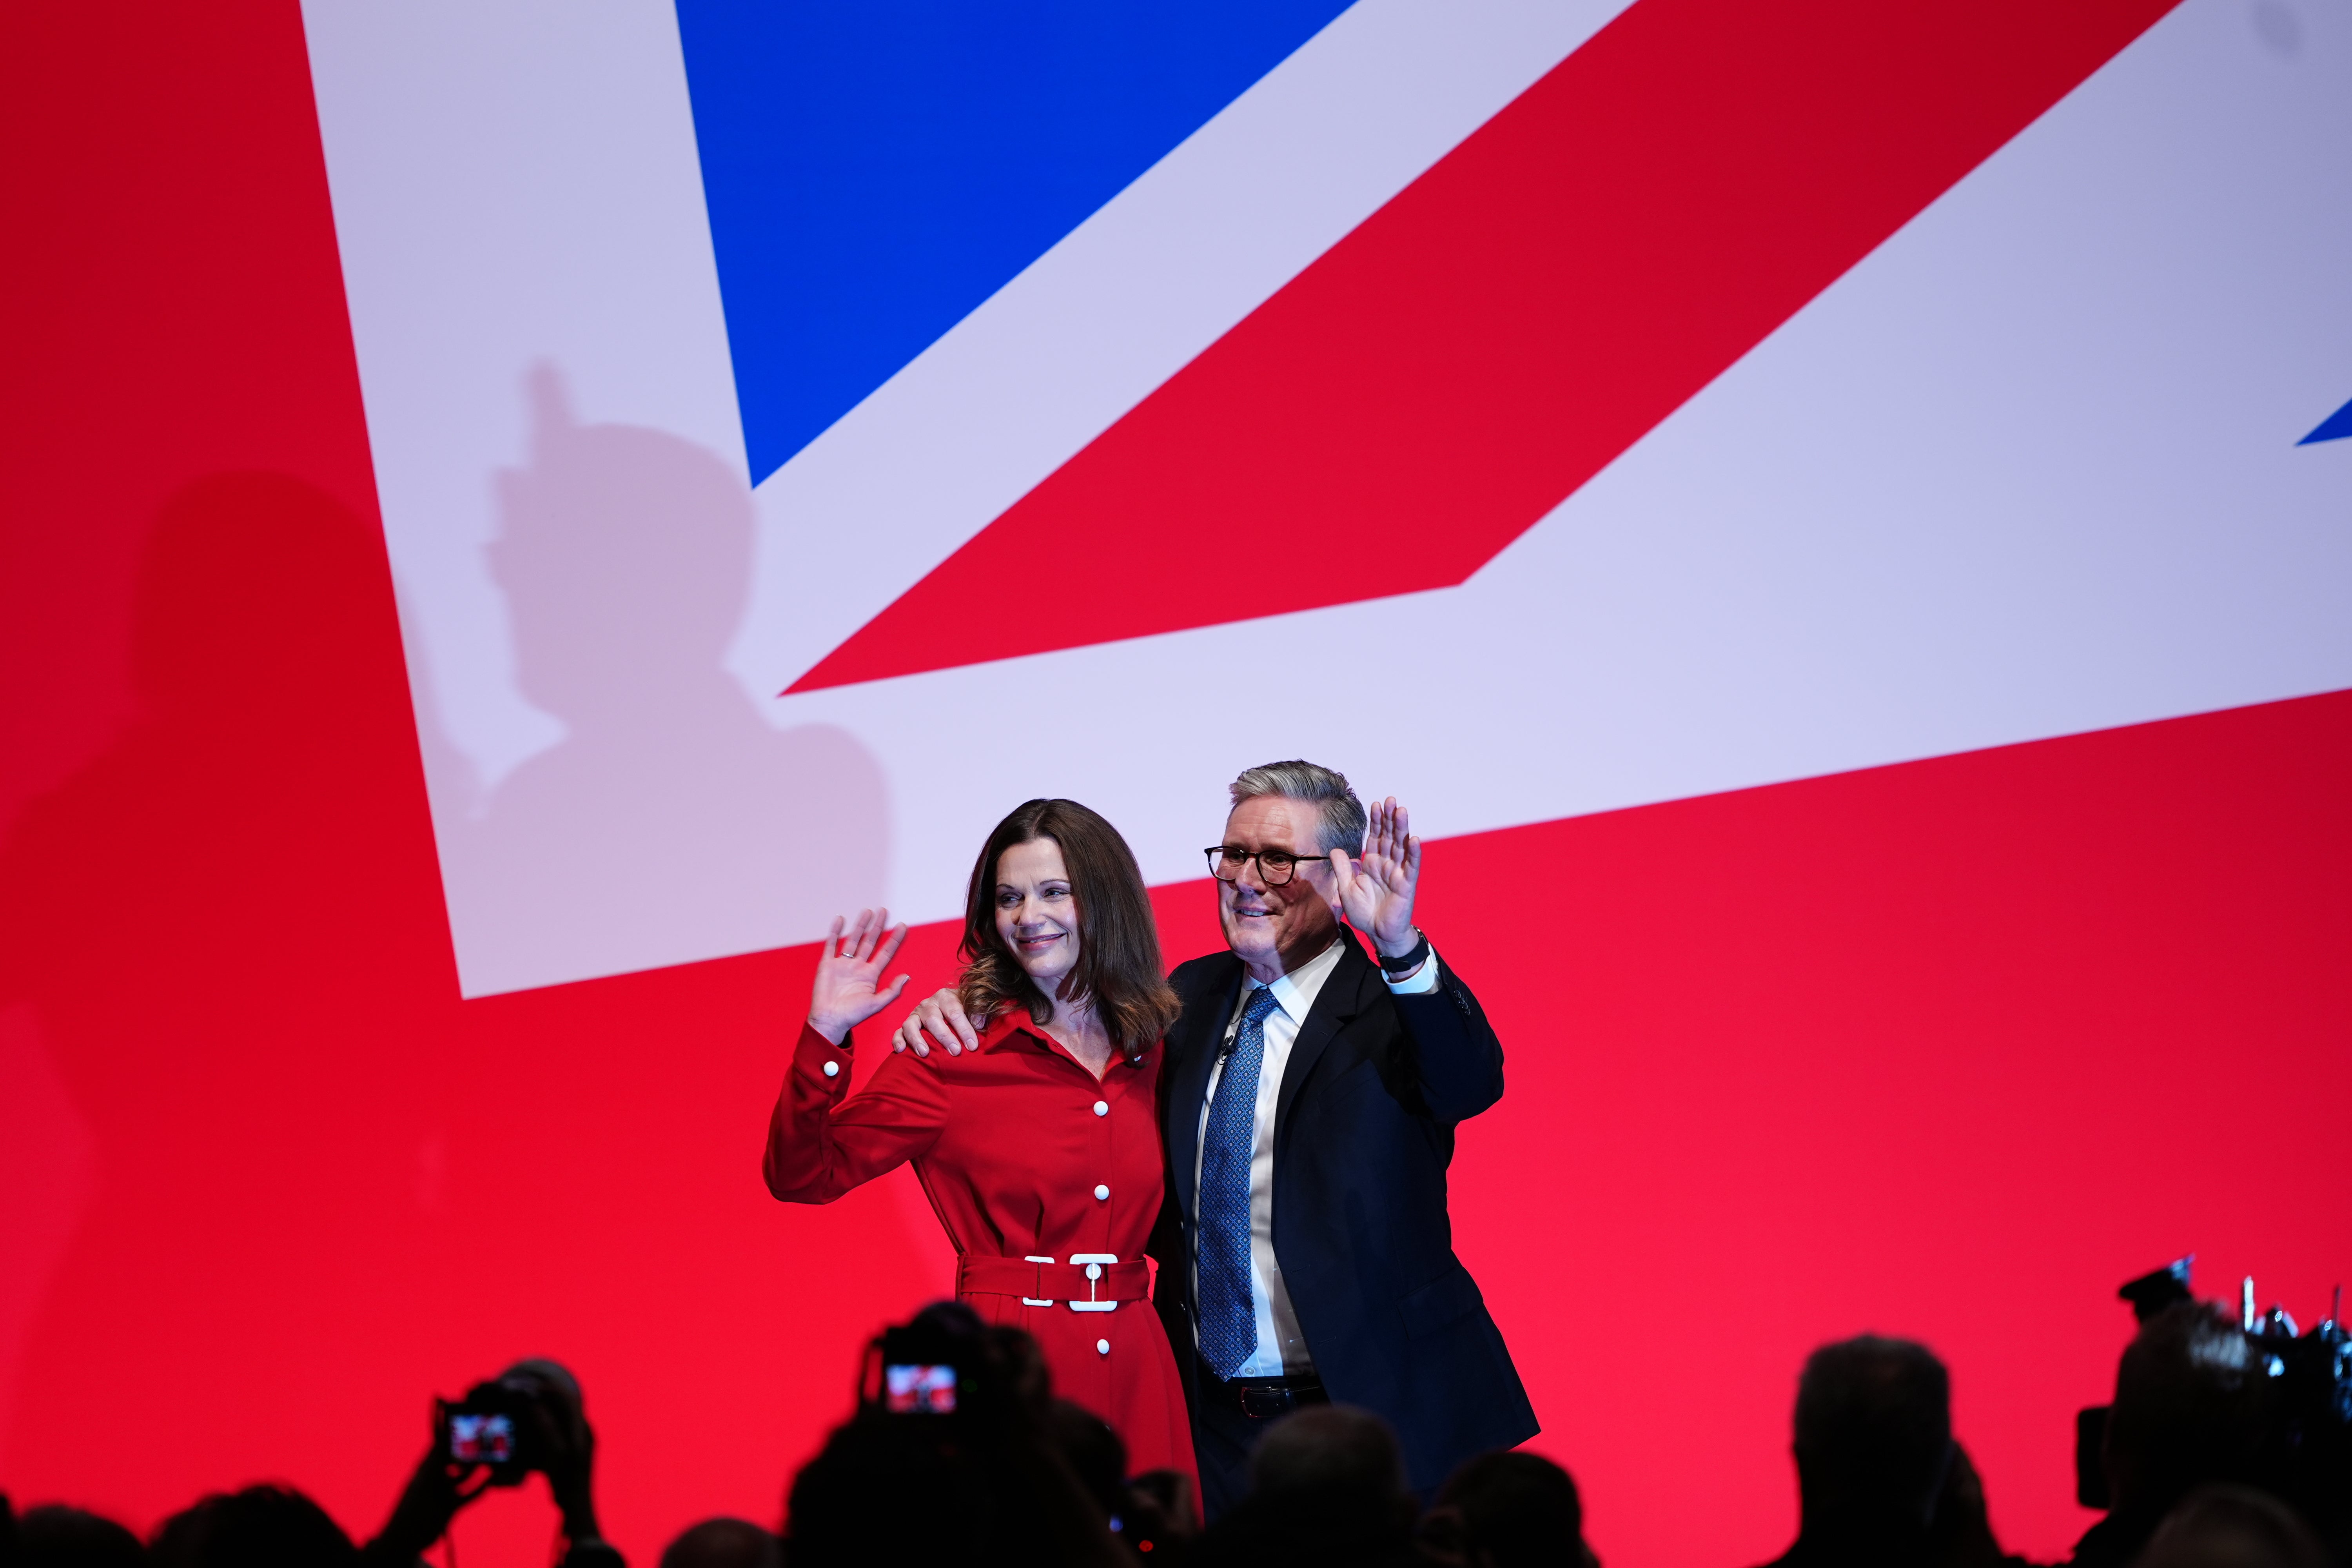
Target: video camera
{"x":2305,"y":1453}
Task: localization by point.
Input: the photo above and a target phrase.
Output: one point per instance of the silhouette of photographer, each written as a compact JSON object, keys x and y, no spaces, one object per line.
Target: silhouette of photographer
{"x":549,"y":1433}
{"x":671,"y":822}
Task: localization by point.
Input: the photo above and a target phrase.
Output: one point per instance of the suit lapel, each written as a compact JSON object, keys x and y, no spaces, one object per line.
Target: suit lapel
{"x":1196,"y":1038}
{"x":1340,"y":1000}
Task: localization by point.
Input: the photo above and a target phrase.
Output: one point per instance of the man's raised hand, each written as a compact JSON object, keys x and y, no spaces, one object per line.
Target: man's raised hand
{"x":1377,"y":890}
{"x":942,"y":1016}
{"x":848,"y":970}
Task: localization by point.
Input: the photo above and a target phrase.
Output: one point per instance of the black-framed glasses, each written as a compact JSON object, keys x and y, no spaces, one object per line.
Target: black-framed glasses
{"x":1275,"y":867}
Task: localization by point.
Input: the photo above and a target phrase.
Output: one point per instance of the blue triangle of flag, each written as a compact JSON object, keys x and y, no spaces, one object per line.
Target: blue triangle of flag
{"x":2335,"y":427}
{"x":874,"y":170}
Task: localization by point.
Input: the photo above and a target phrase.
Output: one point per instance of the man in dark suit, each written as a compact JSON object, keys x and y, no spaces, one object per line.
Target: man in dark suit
{"x":1312,"y":1091}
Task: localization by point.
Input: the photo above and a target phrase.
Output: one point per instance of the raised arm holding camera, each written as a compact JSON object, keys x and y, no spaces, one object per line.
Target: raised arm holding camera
{"x":529,"y":1418}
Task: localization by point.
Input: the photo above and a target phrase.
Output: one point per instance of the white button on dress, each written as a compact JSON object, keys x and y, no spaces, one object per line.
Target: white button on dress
{"x":1101,"y":1193}
{"x":1102,"y":1347}
{"x":1102,"y":1108}
{"x":832,"y":1070}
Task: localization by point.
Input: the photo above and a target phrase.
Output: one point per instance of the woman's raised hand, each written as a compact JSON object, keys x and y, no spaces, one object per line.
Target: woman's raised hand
{"x":848,"y":969}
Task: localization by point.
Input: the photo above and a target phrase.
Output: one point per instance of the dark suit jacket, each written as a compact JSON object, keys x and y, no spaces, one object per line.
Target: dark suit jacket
{"x":1363,"y":1133}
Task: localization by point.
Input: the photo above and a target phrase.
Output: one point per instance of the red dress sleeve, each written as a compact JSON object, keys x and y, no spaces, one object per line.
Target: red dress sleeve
{"x":823,"y":1141}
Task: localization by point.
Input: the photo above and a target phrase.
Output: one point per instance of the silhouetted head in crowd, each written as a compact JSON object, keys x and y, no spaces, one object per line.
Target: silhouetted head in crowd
{"x":880,"y":1493}
{"x":261,"y":1527}
{"x":1873,"y":1443}
{"x":724,"y":1543}
{"x":987,"y":1485}
{"x":2227,"y":1526}
{"x":1327,"y":1487}
{"x":1330,"y":1448}
{"x":2185,"y":1411}
{"x":1513,"y":1511}
{"x":559,"y":1393}
{"x":56,"y":1537}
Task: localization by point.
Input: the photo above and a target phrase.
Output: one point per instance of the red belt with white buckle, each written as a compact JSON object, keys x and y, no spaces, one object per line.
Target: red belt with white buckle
{"x":1085,"y":1282}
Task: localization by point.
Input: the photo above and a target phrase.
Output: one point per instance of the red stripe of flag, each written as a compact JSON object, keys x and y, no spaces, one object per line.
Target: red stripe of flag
{"x":1438,"y":381}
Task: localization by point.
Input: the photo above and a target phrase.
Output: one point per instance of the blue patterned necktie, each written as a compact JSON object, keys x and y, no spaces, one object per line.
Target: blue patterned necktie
{"x":1228,"y":1316}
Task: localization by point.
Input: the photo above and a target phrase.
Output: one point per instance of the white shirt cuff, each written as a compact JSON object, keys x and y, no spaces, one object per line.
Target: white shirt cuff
{"x":1421,"y":981}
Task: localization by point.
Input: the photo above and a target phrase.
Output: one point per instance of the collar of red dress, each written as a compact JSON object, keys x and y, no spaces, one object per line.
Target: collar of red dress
{"x":1013,"y":1023}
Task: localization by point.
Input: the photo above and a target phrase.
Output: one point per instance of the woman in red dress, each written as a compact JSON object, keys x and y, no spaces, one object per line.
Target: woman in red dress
{"x":1040,"y":1151}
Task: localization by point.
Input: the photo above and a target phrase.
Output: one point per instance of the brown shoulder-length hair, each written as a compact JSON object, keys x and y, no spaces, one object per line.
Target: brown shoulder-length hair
{"x":1119,"y":942}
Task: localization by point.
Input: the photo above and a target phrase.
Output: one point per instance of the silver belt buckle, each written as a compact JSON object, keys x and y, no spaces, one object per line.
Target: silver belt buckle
{"x":1094,"y":1262}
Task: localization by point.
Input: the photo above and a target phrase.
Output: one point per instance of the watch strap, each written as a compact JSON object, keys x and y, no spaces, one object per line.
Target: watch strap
{"x":1407,"y":963}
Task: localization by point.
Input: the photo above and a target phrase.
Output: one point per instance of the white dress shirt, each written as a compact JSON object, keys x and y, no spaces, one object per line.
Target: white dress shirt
{"x":1281,"y":1351}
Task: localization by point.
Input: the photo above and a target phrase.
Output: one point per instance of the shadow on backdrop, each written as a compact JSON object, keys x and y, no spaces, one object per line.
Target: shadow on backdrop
{"x":191,"y":921}
{"x":671,"y":824}
{"x":296,"y":1184}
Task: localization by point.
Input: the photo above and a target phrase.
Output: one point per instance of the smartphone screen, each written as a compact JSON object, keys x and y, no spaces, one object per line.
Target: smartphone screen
{"x":918,"y":1390}
{"x":481,"y":1439}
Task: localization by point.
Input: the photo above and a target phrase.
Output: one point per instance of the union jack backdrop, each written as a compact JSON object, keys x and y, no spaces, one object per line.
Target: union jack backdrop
{"x":1835,"y":516}
{"x":1626,"y":401}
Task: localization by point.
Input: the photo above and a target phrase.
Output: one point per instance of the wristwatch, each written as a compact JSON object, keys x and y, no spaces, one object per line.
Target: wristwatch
{"x":1409,"y":961}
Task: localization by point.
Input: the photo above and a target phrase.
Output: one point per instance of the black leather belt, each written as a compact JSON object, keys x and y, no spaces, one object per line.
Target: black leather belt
{"x":1265,"y":1398}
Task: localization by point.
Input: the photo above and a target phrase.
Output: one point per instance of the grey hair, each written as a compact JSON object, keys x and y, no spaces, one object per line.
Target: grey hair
{"x":1342,"y":814}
